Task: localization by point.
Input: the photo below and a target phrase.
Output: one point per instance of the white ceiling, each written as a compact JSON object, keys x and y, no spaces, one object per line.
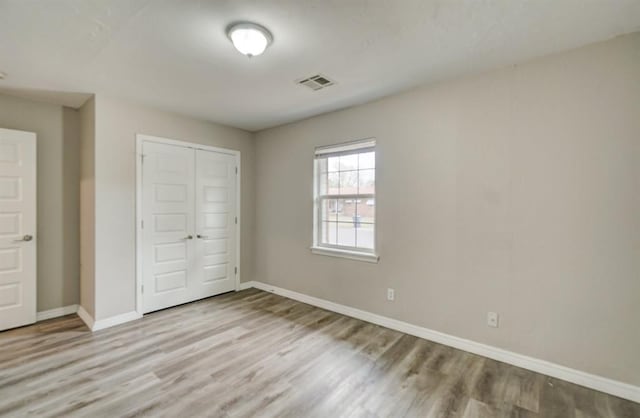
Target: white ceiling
{"x":174,"y":54}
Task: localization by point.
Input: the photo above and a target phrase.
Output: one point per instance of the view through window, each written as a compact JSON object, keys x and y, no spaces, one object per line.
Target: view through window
{"x":345,"y":200}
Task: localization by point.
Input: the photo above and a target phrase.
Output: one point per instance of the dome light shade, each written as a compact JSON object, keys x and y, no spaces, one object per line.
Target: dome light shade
{"x":249,"y":38}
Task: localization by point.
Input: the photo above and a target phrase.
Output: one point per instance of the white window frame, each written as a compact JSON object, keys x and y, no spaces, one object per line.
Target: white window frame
{"x":354,"y":253}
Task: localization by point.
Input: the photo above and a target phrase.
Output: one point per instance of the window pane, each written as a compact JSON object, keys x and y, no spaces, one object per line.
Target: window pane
{"x":366,"y":181}
{"x":366,"y":211}
{"x":333,"y":164}
{"x":346,"y":210}
{"x":346,"y":234}
{"x":349,"y":162}
{"x":366,"y":236}
{"x":329,"y":210}
{"x":328,"y":233}
{"x":349,"y":221}
{"x":333,"y":183}
{"x":367,"y":160}
{"x":348,"y":182}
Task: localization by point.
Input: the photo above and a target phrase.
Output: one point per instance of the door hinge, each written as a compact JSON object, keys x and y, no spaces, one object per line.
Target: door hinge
{"x":142,"y":224}
{"x":142,"y":287}
{"x":236,"y":270}
{"x":142,"y":157}
{"x":236,"y":220}
{"x":236,"y":170}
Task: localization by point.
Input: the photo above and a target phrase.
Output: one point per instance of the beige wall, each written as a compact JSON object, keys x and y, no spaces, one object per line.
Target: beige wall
{"x":515,"y":191}
{"x":87,"y":206}
{"x":117,"y":124}
{"x":57,"y":130}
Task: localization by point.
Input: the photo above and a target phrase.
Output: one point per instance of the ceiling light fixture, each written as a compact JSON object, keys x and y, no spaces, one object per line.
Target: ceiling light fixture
{"x":249,"y":38}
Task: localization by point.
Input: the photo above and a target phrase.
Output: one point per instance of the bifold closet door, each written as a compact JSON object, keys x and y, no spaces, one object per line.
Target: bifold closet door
{"x":215,"y":222}
{"x":189,"y":224}
{"x":168,"y":223}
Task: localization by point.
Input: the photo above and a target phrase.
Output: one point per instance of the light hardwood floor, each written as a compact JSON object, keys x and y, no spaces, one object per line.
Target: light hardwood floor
{"x":253,"y":353}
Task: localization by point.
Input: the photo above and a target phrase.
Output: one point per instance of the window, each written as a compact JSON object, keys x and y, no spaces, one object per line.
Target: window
{"x":345,"y":196}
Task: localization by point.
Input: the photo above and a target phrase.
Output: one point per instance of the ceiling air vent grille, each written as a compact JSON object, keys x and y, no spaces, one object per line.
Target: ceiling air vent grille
{"x":316,"y":82}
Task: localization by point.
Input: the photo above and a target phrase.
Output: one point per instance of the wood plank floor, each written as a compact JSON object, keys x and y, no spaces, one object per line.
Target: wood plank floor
{"x":253,"y":353}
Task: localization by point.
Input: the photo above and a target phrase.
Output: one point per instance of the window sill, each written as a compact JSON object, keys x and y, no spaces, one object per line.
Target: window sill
{"x":351,"y":255}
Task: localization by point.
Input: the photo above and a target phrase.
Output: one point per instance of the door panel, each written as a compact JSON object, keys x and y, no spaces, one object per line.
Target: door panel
{"x":17,"y":228}
{"x":167,"y":213}
{"x":215,"y":222}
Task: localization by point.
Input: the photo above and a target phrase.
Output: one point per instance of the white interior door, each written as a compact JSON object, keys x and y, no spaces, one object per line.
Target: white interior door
{"x":168,"y":225}
{"x":17,"y":228}
{"x":189,"y":216}
{"x":216,"y":223}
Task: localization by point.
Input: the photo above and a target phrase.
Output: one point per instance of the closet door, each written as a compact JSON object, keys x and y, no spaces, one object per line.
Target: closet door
{"x":168,"y":225}
{"x":215,"y":260}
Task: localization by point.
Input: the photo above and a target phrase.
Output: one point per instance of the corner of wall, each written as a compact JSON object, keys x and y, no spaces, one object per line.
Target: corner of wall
{"x":87,"y":208}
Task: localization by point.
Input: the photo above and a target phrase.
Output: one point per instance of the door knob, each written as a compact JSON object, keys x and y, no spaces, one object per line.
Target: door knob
{"x":188,"y":237}
{"x":202,"y":236}
{"x":24,"y":238}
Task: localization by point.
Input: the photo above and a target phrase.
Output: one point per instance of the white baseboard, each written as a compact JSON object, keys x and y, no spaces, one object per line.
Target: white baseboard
{"x":115,"y":320}
{"x":56,"y":312}
{"x":94,"y":325}
{"x":602,"y":384}
{"x":86,"y":317}
{"x":246,"y":285}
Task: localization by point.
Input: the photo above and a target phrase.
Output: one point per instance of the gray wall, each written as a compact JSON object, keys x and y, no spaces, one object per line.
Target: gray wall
{"x":515,"y":191}
{"x":117,"y":123}
{"x":57,"y":130}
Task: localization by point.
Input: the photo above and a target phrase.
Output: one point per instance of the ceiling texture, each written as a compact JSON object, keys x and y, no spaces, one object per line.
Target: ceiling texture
{"x":174,"y":54}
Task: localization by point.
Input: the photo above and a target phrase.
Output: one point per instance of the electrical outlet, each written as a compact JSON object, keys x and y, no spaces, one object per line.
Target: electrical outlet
{"x":391,"y":294}
{"x":492,"y":319}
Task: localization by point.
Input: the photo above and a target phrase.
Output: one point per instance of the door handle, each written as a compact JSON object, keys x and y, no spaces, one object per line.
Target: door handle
{"x":188,"y":237}
{"x":202,"y":236}
{"x":25,"y":238}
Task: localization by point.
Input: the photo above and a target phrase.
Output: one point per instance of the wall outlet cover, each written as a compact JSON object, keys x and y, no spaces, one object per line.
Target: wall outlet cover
{"x":492,"y":319}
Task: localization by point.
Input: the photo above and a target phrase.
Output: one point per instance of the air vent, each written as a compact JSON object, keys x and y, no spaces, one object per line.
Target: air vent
{"x":316,"y":82}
